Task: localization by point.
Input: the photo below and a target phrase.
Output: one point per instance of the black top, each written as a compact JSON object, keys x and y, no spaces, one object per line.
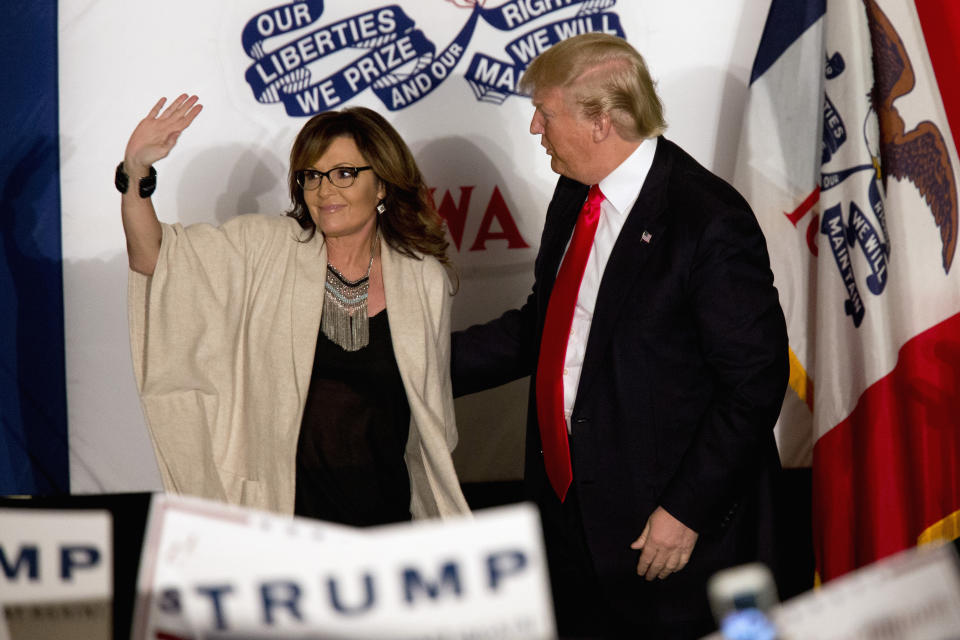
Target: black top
{"x":350,"y":466}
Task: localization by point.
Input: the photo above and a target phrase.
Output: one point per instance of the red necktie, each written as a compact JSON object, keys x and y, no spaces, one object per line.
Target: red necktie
{"x":553,"y":346}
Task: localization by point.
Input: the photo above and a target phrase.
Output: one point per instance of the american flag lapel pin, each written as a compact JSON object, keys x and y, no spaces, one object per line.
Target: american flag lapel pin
{"x":646,"y":236}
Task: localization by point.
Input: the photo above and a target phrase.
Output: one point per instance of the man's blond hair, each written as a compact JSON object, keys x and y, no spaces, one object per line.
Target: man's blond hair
{"x":603,"y":74}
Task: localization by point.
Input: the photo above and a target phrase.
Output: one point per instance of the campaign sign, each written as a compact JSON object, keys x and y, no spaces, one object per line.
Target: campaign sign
{"x":54,"y":555}
{"x":56,"y":574}
{"x":913,"y":594}
{"x":216,"y":571}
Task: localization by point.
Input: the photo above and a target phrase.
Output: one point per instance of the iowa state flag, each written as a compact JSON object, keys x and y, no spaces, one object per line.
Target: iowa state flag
{"x":849,"y":158}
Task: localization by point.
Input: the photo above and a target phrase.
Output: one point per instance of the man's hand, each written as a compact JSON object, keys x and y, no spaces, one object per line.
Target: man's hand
{"x":667,"y":544}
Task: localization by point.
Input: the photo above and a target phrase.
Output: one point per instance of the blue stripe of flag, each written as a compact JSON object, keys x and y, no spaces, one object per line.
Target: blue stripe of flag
{"x":786,"y":21}
{"x":33,"y":410}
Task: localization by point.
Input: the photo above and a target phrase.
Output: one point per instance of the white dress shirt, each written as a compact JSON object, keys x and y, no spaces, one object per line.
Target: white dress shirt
{"x":621,"y":189}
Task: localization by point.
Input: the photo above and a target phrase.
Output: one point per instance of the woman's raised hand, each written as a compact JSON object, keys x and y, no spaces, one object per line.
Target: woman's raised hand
{"x":150,"y":141}
{"x":156,"y":134}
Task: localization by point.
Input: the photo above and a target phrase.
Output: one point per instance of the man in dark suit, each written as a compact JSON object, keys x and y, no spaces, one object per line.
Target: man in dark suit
{"x":658,"y":354}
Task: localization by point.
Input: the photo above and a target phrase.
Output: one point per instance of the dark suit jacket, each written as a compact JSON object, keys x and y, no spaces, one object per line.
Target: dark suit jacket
{"x":684,"y":374}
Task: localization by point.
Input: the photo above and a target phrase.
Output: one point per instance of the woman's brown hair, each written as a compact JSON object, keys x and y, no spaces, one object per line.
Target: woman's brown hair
{"x":410,"y":223}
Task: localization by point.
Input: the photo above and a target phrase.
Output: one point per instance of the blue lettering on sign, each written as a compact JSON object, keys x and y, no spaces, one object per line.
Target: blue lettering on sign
{"x":283,"y":595}
{"x":494,"y":80}
{"x":282,"y":602}
{"x":504,"y":564}
{"x":863,"y":233}
{"x":278,"y":21}
{"x":400,"y":64}
{"x":834,"y":132}
{"x":168,"y":602}
{"x":859,"y":230}
{"x":832,"y":226}
{"x":214,"y":592}
{"x":876,"y":203}
{"x":834,"y":66}
{"x":77,"y":557}
{"x":517,"y":13}
{"x":830,"y":179}
{"x":428,"y":74}
{"x":28,"y":557}
{"x":72,"y":558}
{"x":285,"y":69}
{"x":414,"y":582}
{"x":352,"y":610}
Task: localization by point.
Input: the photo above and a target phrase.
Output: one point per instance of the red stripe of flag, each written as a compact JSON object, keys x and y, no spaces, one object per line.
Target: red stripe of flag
{"x":890,"y":470}
{"x":940,"y":21}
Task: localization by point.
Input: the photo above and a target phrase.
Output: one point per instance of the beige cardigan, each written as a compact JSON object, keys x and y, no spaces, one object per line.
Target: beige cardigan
{"x":223,"y":337}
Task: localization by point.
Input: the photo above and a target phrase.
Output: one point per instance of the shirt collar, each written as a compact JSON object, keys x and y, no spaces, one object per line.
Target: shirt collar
{"x":622,"y":186}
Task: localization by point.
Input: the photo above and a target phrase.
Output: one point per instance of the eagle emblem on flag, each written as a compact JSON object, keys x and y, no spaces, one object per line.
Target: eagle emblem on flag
{"x":919,"y":155}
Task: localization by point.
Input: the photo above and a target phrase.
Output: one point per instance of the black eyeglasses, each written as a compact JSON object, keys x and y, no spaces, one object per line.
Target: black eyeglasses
{"x":342,"y":177}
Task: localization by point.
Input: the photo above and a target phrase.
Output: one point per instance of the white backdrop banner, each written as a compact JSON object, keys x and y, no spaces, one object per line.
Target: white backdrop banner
{"x":444,"y":73}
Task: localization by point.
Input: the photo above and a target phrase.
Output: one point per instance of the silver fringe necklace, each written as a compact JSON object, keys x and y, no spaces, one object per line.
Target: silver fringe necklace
{"x":344,"y":319}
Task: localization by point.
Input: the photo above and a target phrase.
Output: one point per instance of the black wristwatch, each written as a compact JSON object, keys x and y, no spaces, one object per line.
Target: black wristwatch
{"x":147,"y":185}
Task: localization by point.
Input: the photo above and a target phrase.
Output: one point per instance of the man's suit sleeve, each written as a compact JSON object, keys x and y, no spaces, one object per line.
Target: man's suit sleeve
{"x":491,"y":354}
{"x":506,"y":349}
{"x":744,"y":343}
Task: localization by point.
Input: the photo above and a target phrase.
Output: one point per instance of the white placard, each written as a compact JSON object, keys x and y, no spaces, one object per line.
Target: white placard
{"x":55,"y":556}
{"x":211,"y":570}
{"x":914,"y":594}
